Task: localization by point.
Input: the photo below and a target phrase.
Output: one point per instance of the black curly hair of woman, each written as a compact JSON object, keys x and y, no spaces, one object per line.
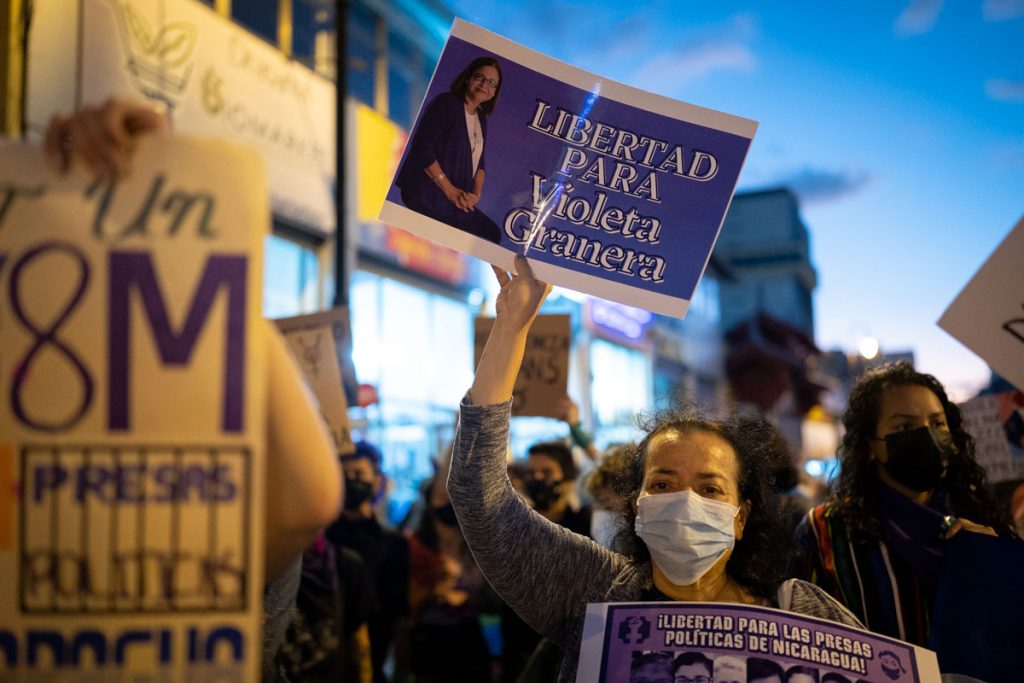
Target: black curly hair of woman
{"x":759,"y":560}
{"x":858,"y":482}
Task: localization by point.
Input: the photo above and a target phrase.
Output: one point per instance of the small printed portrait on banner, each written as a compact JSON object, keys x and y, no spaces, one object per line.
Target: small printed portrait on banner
{"x":651,"y":667}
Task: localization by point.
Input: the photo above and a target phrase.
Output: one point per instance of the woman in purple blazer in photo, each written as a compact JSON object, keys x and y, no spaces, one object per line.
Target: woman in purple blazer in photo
{"x":443,"y":173}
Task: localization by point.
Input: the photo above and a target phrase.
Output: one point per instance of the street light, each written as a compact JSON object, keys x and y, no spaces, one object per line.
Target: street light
{"x":868,"y":347}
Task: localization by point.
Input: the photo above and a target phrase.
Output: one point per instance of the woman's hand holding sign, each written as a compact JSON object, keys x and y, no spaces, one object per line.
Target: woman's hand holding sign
{"x":518,"y":302}
{"x":520,"y":297}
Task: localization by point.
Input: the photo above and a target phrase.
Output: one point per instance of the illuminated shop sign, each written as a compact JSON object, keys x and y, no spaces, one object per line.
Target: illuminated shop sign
{"x":216,"y":78}
{"x":626,"y":321}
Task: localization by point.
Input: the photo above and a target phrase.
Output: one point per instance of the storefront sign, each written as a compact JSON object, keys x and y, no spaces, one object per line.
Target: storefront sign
{"x":216,"y":78}
{"x":726,"y":643}
{"x":541,"y":385}
{"x":321,"y":344}
{"x":379,"y":146}
{"x":988,"y":315}
{"x":621,"y":320}
{"x":609,"y":190}
{"x":132,"y":415}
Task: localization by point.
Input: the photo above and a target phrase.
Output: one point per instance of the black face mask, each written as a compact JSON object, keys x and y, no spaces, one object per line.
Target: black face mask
{"x":446,"y":515}
{"x":918,"y":458}
{"x":357,"y":492}
{"x":543,"y":493}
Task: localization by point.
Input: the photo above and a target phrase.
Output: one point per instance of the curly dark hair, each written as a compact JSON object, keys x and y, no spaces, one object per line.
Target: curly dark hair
{"x":461,"y":83}
{"x":857,"y":485}
{"x":759,"y":560}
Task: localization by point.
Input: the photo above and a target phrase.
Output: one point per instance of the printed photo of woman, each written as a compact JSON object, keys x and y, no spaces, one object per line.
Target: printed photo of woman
{"x":443,"y":173}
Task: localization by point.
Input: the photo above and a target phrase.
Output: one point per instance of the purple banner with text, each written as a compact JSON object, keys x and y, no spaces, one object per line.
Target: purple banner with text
{"x":672,"y":641}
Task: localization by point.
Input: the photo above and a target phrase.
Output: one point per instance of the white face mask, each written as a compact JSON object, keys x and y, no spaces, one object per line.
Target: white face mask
{"x":685,"y":532}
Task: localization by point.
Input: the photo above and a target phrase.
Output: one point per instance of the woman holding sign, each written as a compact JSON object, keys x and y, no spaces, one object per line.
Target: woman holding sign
{"x":443,"y":173}
{"x":703,"y":514}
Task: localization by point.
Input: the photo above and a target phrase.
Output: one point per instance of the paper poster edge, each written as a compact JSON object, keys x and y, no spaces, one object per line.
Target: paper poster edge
{"x":612,"y":89}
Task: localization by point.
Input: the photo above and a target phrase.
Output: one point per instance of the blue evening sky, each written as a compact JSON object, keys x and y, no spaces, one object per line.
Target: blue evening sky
{"x":900,"y":125}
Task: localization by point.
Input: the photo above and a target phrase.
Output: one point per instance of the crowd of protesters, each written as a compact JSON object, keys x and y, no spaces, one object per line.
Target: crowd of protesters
{"x":489,"y":580}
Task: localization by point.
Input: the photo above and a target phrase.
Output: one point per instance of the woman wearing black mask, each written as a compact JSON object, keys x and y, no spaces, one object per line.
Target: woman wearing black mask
{"x":908,"y":482}
{"x":550,"y":484}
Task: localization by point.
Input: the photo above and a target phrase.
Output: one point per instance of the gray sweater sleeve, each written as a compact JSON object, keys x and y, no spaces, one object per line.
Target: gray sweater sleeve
{"x":803,"y":597}
{"x":545,"y":572}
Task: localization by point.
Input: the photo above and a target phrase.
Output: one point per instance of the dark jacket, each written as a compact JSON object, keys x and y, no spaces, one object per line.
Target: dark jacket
{"x":441,"y":136}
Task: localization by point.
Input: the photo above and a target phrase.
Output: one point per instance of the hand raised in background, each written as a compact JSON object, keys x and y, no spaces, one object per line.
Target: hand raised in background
{"x":103,"y":136}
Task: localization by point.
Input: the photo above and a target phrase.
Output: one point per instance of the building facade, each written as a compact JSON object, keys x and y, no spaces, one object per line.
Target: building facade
{"x":264,"y":72}
{"x":765,"y":243}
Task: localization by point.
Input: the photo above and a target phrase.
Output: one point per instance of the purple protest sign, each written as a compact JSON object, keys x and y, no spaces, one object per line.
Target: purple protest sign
{"x":669,"y":641}
{"x":608,"y":189}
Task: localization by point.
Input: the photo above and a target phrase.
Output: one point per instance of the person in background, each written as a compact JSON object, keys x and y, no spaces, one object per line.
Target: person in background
{"x":785,"y":481}
{"x":705,"y":524}
{"x":550,"y":486}
{"x":605,"y":485}
{"x":306,"y":493}
{"x":448,"y":595}
{"x":328,"y":637}
{"x":569,"y":412}
{"x":517,"y":475}
{"x":385,"y":552}
{"x":526,"y":657}
{"x":908,"y":483}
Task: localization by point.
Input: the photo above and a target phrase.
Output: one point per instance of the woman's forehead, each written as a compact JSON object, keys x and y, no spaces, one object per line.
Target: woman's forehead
{"x":695,"y":451}
{"x":909,"y":399}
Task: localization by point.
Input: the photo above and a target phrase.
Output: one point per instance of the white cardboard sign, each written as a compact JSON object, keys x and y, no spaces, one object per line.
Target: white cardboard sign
{"x":132,"y":416}
{"x":988,"y":314}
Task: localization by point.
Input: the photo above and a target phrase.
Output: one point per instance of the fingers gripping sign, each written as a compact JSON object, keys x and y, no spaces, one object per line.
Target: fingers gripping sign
{"x":518,"y":302}
{"x":520,"y":297}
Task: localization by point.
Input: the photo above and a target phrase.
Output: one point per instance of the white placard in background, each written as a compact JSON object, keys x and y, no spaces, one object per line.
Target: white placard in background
{"x":988,"y":315}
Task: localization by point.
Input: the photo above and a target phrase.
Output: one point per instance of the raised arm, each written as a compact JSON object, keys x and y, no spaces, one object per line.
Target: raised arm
{"x":304,"y":492}
{"x":542,"y":570}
